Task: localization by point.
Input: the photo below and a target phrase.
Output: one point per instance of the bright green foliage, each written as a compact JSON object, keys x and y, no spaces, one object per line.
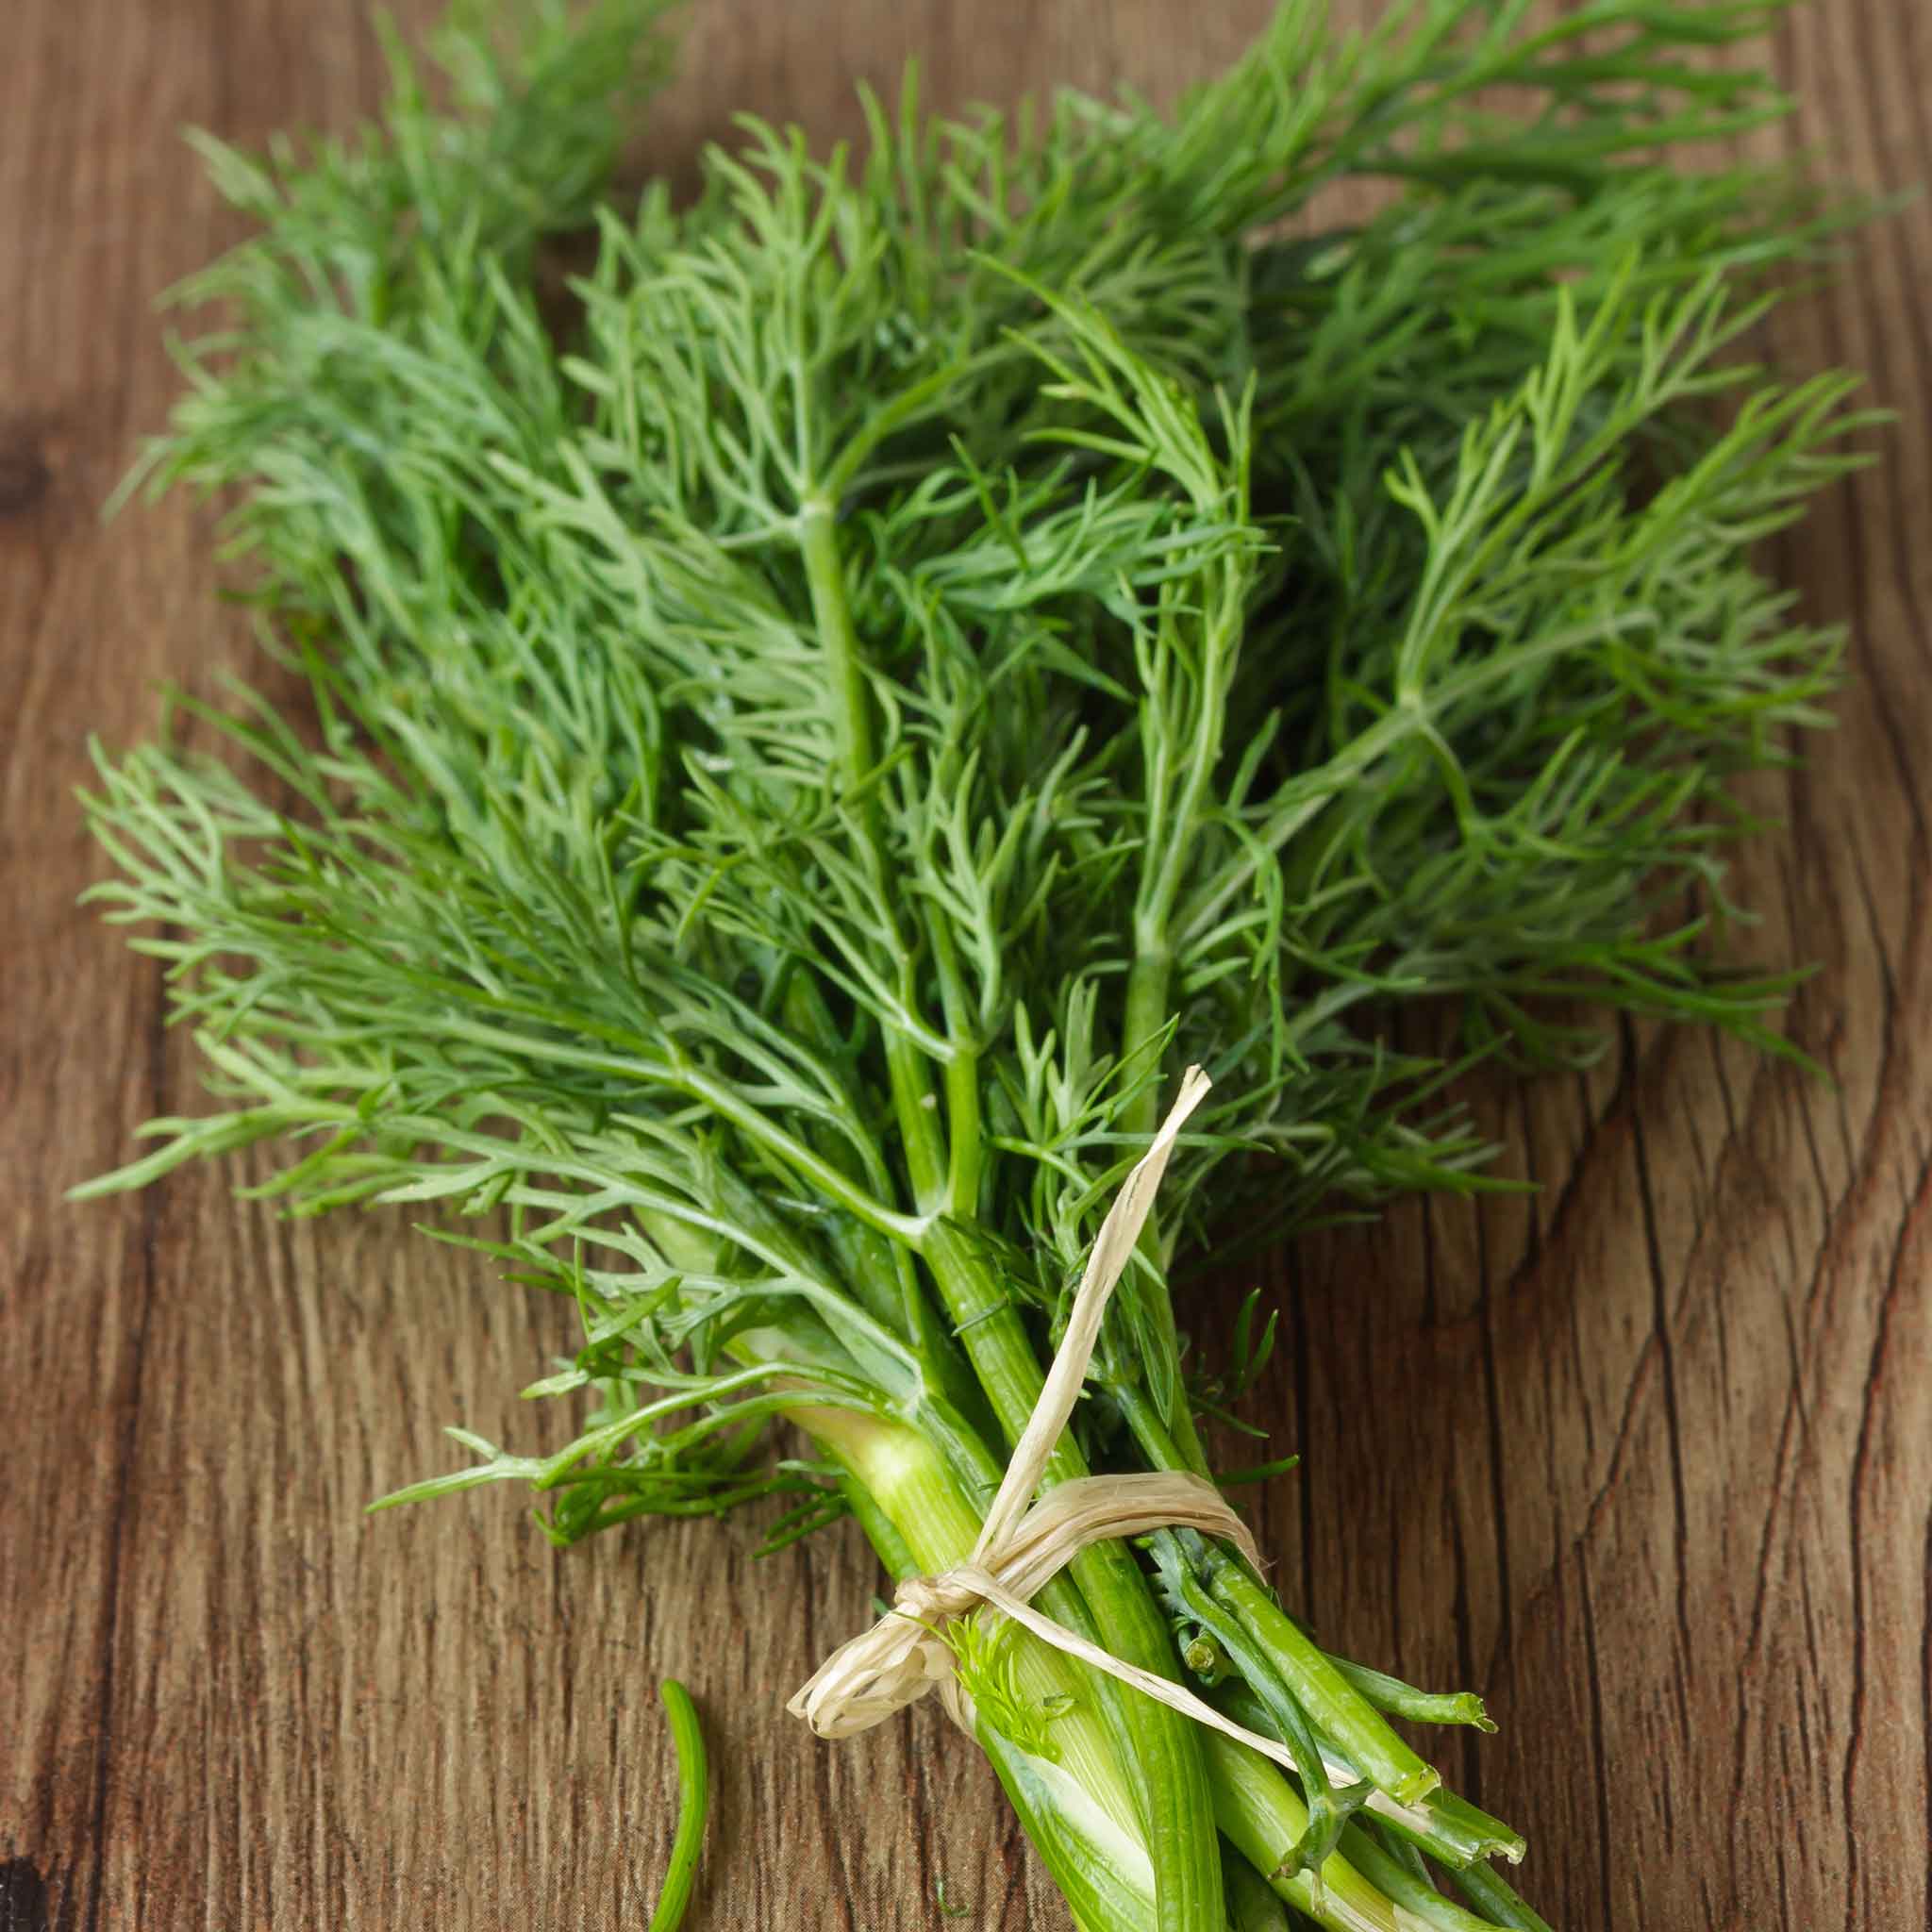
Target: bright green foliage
{"x":809,"y":726}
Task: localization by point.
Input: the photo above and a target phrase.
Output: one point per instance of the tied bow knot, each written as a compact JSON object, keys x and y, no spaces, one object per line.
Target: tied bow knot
{"x":1023,"y":1544}
{"x":903,"y":1655}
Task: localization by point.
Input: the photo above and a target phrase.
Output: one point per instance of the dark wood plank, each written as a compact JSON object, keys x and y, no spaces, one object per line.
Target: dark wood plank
{"x":1646,"y":1457}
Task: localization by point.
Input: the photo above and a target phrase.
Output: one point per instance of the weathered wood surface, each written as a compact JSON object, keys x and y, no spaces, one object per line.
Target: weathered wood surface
{"x":1647,"y":1457}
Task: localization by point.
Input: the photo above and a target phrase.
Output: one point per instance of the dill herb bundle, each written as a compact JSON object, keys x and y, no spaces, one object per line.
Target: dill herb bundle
{"x":808,"y":732}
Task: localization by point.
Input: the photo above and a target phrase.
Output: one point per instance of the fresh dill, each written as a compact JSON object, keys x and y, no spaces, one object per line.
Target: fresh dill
{"x":804,"y":731}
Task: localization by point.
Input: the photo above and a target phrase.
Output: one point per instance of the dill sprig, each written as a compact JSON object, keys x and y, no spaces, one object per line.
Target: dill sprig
{"x":807,"y":731}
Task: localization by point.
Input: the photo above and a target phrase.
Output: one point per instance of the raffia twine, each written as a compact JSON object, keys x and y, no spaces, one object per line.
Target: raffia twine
{"x":1023,"y":1544}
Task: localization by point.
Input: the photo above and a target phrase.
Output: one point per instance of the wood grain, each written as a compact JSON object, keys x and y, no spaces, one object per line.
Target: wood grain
{"x":1646,"y":1456}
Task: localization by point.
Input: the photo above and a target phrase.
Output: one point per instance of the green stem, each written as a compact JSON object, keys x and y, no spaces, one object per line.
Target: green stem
{"x":1357,"y":1729}
{"x":694,"y":1802}
{"x":1498,"y":1901}
{"x":1327,"y":1813}
{"x":1147,"y":1014}
{"x":1264,"y":1818}
{"x":1412,"y":1893}
{"x":1419,"y":1707}
{"x":934,"y":1524}
{"x":963,"y":1129}
{"x":881,"y":1532}
{"x":964,"y":1136}
{"x":914,"y":1104}
{"x":1251,"y":1905}
{"x":1159,"y":1746}
{"x":1154,"y":1441}
{"x":1450,"y":1829}
{"x":818,"y":543}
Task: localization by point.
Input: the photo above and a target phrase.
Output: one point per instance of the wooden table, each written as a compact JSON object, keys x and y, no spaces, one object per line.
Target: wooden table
{"x":1646,"y":1457}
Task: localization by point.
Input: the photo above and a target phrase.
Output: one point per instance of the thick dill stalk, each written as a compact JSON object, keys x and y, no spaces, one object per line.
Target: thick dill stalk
{"x":1098,"y":1857}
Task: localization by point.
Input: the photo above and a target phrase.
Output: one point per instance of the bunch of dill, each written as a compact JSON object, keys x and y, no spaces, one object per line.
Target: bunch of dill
{"x":806,"y":736}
